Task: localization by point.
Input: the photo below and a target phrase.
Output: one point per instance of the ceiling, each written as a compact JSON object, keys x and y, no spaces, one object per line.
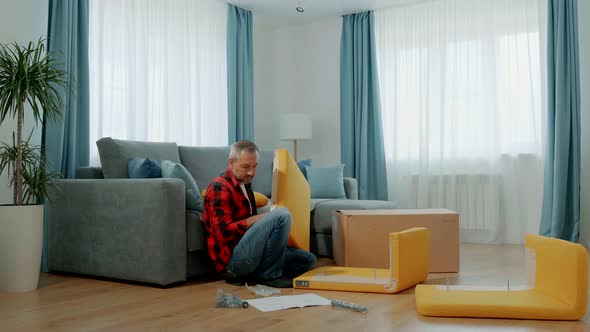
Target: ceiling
{"x":284,"y":11}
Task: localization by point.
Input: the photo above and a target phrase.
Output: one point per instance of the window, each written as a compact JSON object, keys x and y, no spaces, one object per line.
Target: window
{"x":158,"y":71}
{"x":461,"y":84}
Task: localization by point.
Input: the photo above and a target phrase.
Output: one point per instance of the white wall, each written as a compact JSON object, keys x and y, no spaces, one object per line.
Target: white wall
{"x":265,"y":130}
{"x":21,"y":21}
{"x":584,"y":37}
{"x":297,"y":69}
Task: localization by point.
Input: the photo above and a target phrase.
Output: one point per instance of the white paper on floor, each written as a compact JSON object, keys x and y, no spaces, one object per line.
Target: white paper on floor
{"x":288,"y":301}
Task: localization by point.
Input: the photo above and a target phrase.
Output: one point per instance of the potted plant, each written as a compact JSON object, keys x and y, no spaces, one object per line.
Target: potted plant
{"x":30,"y":82}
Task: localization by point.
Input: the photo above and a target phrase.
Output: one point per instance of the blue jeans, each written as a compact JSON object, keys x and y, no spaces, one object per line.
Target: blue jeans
{"x":263,"y":250}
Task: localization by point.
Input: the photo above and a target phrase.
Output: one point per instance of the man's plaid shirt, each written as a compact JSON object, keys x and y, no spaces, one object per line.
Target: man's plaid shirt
{"x":225,"y":214}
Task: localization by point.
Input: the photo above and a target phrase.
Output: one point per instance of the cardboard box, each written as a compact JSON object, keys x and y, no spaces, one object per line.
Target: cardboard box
{"x":360,"y":237}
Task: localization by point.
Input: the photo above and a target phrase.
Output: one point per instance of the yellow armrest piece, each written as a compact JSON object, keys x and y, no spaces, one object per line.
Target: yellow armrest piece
{"x":560,"y":291}
{"x":409,"y":253}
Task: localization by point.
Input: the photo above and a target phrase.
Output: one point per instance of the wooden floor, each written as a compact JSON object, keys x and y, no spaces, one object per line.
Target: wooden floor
{"x":69,"y":303}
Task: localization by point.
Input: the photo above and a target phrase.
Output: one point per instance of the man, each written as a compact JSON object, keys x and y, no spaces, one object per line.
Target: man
{"x":248,"y":245}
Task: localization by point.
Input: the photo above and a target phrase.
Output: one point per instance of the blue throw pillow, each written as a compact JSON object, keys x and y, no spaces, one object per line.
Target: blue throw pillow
{"x":143,"y":168}
{"x":326,"y":182}
{"x":302,"y":164}
{"x":193,"y":198}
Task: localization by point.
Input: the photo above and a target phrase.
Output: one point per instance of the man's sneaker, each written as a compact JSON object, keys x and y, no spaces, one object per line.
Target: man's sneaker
{"x":233,"y":279}
{"x":236,"y":281}
{"x":277,"y":283}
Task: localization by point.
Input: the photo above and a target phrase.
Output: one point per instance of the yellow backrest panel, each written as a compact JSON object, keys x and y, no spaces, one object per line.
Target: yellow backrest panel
{"x":410,"y":256}
{"x":291,"y":190}
{"x":561,"y":270}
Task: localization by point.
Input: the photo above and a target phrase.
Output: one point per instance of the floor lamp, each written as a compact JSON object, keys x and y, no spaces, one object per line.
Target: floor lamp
{"x":295,"y":127}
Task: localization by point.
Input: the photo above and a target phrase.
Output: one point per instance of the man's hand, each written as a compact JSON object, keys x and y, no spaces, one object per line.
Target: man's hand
{"x":252,"y":220}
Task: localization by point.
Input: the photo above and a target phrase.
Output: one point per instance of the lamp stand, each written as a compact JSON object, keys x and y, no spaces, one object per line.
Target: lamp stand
{"x":295,"y":149}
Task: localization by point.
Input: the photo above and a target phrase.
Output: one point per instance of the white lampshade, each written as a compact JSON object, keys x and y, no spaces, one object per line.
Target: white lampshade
{"x":295,"y":126}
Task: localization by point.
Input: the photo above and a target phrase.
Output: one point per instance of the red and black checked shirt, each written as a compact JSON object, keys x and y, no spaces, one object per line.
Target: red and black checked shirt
{"x":225,"y":214}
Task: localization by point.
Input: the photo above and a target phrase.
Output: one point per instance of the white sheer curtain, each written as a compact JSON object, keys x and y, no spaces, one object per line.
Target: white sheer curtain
{"x":462,"y":93}
{"x":158,"y":71}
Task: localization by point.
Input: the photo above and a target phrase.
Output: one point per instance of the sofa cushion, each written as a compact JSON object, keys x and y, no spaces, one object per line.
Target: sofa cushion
{"x":144,"y":168}
{"x":205,"y":163}
{"x":315,"y":201}
{"x":321,"y":218}
{"x":115,"y":154}
{"x":87,"y":172}
{"x":320,"y":244}
{"x":302,"y":164}
{"x":326,"y":182}
{"x":263,"y":181}
{"x":196,"y":234}
{"x":192,"y":195}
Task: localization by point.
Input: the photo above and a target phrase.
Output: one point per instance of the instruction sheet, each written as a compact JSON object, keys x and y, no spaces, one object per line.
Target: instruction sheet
{"x":288,"y":301}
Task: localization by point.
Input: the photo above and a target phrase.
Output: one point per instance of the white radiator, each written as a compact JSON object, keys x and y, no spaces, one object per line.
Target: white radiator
{"x":475,"y":196}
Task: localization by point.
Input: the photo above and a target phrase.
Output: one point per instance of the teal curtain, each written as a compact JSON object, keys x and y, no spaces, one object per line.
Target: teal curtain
{"x":361,"y":135}
{"x":240,"y":77}
{"x":66,"y":142}
{"x":561,"y":197}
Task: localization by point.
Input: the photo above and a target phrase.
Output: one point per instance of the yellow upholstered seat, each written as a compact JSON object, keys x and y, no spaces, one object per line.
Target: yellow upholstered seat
{"x":291,"y":190}
{"x":560,"y":291}
{"x":409,"y":253}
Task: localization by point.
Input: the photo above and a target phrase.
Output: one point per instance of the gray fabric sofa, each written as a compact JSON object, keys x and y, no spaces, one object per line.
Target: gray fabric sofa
{"x":104,"y":224}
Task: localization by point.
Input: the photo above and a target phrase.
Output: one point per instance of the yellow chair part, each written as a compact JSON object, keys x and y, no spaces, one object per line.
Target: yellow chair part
{"x":560,"y":291}
{"x":291,"y":190}
{"x":409,"y":253}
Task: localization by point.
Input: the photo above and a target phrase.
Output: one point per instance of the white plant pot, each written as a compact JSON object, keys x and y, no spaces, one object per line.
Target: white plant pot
{"x":21,"y":242}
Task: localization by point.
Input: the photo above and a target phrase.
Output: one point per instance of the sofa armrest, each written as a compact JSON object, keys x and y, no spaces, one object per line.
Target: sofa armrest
{"x":131,"y":229}
{"x":88,"y":172}
{"x":351,"y":188}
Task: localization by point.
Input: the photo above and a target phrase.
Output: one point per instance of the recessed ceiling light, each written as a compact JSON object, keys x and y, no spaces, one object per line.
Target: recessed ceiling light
{"x":300,"y":6}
